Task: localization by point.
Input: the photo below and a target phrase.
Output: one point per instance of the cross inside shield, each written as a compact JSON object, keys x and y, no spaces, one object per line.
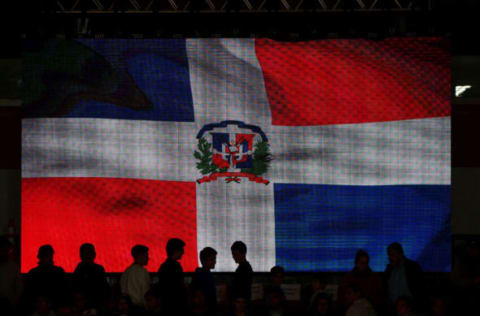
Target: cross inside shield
{"x":232,"y":151}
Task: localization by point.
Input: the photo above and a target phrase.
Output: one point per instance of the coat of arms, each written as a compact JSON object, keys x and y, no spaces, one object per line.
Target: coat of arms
{"x":232,"y":150}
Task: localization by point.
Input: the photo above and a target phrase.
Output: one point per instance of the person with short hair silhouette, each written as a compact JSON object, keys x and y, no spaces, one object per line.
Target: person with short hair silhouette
{"x":135,"y":281}
{"x":242,"y":280}
{"x":89,"y":277}
{"x":240,"y":306}
{"x":203,"y":279}
{"x":171,"y":286}
{"x":404,"y":277}
{"x":46,"y":279}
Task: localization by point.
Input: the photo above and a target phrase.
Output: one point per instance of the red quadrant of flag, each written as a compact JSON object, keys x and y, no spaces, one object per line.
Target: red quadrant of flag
{"x":113,"y":214}
{"x":345,"y":81}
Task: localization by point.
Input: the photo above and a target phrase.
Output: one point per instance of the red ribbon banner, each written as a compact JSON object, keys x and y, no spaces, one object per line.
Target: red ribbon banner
{"x":233,"y":177}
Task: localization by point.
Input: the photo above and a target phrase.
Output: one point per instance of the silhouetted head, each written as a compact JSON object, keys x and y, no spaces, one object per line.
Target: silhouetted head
{"x":239,"y":251}
{"x":404,"y":306}
{"x":208,"y":258}
{"x":361,"y":261}
{"x":277,"y":274}
{"x":239,"y":303}
{"x":276,"y":298}
{"x":45,"y":255}
{"x":87,"y":253}
{"x":395,"y":254}
{"x":175,"y":248}
{"x":322,"y":305}
{"x":140,"y":254}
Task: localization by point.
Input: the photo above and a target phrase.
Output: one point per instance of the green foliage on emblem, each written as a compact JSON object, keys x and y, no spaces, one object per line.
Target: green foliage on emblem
{"x":261,"y":159}
{"x":204,"y":155}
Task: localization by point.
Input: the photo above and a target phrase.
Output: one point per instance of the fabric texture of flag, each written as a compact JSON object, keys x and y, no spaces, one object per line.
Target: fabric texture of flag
{"x":306,"y":151}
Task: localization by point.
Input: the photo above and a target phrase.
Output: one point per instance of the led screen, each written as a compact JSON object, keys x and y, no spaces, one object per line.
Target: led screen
{"x":306,"y":151}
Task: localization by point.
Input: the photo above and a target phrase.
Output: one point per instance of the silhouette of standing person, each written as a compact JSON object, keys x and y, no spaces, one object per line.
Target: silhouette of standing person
{"x":171,"y":286}
{"x":135,"y":281}
{"x":89,"y":277}
{"x":46,"y":279}
{"x":203,"y":279}
{"x":242,"y":280}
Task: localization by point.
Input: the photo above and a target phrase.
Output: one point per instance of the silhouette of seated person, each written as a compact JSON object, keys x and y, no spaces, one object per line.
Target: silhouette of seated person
{"x":240,"y":306}
{"x":10,"y":279}
{"x":198,"y":304}
{"x":46,"y":279}
{"x":81,"y":305}
{"x":405,"y":307}
{"x":171,"y":286}
{"x":89,"y":277}
{"x":311,"y":291}
{"x":203,"y":279}
{"x":362,"y":276}
{"x":275,"y":303}
{"x":135,"y":281}
{"x":358,"y":305}
{"x":322,"y":305}
{"x":242,"y":279}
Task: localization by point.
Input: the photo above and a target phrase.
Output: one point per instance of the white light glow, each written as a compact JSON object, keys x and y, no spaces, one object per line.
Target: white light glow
{"x":459,"y":90}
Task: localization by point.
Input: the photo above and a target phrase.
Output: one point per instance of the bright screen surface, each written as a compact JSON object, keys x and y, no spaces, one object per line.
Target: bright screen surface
{"x":306,"y":151}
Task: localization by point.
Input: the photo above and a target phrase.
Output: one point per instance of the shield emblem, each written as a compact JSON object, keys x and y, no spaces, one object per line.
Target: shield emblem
{"x":232,"y":150}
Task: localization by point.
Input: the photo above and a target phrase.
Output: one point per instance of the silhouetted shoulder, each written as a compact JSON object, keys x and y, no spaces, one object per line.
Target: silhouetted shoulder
{"x":244,"y":267}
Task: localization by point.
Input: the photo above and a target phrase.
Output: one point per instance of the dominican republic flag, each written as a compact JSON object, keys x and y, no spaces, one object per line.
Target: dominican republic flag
{"x":306,"y":151}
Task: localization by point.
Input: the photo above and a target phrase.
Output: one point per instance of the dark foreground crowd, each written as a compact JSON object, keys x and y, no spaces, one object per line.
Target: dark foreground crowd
{"x":400,"y":291}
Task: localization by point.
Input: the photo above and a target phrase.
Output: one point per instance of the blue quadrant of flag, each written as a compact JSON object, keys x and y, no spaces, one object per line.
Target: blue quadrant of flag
{"x":320,"y":227}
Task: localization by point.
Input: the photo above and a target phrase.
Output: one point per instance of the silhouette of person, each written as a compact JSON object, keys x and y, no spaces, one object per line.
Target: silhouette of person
{"x":277,"y":275}
{"x":359,"y":305}
{"x":203,"y":279}
{"x":135,"y":281}
{"x":242,"y":280}
{"x":89,"y":277}
{"x":362,"y":276}
{"x":171,"y":286}
{"x":321,"y":306}
{"x":403,"y":277}
{"x":46,"y":279}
